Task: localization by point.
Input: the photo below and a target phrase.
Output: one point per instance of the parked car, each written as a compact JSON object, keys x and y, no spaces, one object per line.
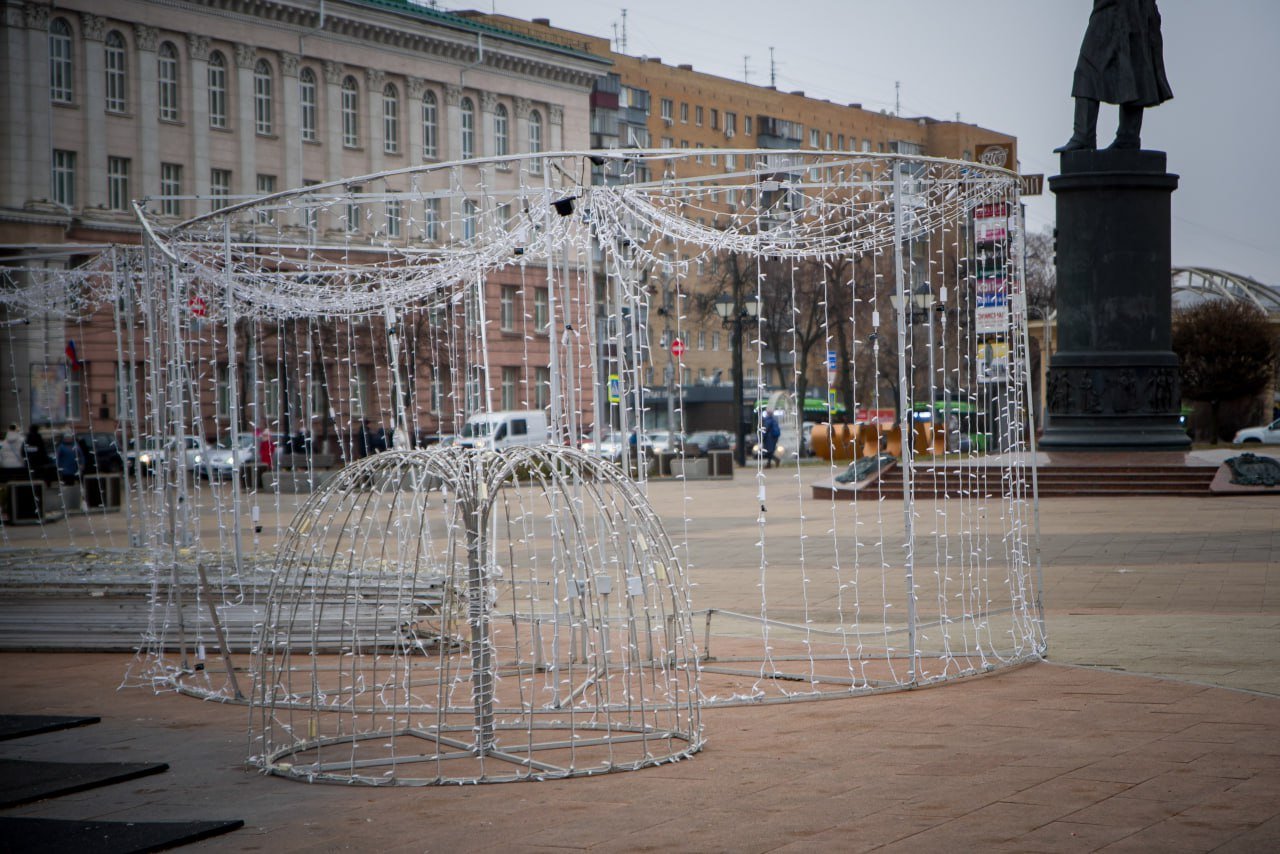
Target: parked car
{"x":151,"y":454}
{"x":222,"y":460}
{"x":665,"y":441}
{"x":101,"y":453}
{"x":703,"y":442}
{"x":613,"y":444}
{"x":1267,"y":434}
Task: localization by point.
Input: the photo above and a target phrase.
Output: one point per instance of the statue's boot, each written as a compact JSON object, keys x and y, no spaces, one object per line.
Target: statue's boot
{"x":1084,"y":135}
{"x":1129,"y":132}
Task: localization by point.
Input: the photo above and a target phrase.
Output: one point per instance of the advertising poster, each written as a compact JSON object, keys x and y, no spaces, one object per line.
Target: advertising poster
{"x":993,"y":361}
{"x":991,"y":311}
{"x":48,"y":394}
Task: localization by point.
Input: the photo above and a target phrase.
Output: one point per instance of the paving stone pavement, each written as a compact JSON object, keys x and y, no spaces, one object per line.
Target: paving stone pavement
{"x":1078,"y":753}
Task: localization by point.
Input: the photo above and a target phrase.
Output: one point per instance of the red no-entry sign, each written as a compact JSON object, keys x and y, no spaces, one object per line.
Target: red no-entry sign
{"x":677,"y":348}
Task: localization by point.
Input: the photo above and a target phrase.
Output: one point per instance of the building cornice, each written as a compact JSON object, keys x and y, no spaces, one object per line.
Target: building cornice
{"x":406,"y":33}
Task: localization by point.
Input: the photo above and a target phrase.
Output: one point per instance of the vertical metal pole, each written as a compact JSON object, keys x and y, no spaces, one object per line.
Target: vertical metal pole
{"x":557,"y":406}
{"x":233,"y":390}
{"x":908,"y":474}
{"x":478,"y":616}
{"x":125,"y":383}
{"x":738,"y":429}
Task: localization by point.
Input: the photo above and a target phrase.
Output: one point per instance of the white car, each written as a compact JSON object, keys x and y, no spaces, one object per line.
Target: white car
{"x":1268,"y":434}
{"x":612,"y":444}
{"x":222,"y":460}
{"x":664,"y":441}
{"x":151,"y":455}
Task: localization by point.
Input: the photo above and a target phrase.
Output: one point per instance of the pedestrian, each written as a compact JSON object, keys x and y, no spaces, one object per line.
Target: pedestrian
{"x":37,"y":453}
{"x":770,"y":431}
{"x":11,"y":448}
{"x":70,"y":460}
{"x":266,"y":450}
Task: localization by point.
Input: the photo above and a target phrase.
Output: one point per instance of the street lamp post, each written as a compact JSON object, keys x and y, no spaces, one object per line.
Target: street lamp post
{"x":732,"y":315}
{"x":922,"y":301}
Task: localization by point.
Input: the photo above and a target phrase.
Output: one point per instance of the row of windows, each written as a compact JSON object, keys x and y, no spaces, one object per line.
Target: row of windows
{"x":817,"y":138}
{"x":61,"y":90}
{"x":507,"y":309}
{"x":119,"y":169}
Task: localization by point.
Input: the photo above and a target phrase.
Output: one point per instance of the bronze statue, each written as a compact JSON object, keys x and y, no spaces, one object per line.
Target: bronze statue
{"x":1121,"y":62}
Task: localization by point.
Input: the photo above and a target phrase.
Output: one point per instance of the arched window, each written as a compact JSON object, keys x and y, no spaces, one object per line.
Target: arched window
{"x":468,"y":128}
{"x":430,"y":125}
{"x":262,"y":97}
{"x":350,"y":113}
{"x":117,"y":70}
{"x":307,"y":102}
{"x":501,"y":144}
{"x":61,"y":87}
{"x":390,"y":119}
{"x":167,"y":81}
{"x":217,"y":90}
{"x":535,"y":140}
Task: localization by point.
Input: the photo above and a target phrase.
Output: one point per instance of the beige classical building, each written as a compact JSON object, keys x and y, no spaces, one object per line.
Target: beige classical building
{"x":108,"y":101}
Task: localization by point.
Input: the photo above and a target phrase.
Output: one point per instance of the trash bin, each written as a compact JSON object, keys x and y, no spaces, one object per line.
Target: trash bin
{"x":26,"y":501}
{"x":102,"y":491}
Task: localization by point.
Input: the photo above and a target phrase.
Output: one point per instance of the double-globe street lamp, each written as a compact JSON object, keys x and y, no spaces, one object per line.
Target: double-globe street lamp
{"x":733,"y":314}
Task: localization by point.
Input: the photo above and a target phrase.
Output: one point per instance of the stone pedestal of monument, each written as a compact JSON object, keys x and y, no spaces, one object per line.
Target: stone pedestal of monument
{"x":1113,"y":382}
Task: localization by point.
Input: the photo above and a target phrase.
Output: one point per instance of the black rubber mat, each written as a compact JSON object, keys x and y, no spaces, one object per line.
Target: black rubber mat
{"x":23,"y":781}
{"x":17,"y":726}
{"x":48,"y":835}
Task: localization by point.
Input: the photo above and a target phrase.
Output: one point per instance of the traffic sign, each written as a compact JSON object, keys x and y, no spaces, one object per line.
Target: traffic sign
{"x":677,"y":348}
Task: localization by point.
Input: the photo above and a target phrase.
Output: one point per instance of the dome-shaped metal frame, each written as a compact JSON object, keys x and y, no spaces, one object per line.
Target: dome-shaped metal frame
{"x":452,"y":615}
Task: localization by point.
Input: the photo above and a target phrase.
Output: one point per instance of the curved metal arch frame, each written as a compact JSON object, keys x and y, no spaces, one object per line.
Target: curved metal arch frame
{"x":1210,"y":282}
{"x":482,"y":476}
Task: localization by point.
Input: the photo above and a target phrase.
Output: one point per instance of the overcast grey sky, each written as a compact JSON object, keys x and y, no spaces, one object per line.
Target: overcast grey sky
{"x":1007,"y":65}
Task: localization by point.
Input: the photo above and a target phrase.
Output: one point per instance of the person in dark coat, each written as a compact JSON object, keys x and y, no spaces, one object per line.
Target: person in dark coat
{"x":1121,"y":62}
{"x":770,"y":430}
{"x":70,"y":458}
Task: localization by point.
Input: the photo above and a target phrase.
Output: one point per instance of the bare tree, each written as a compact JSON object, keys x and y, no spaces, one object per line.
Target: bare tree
{"x":1227,"y":351}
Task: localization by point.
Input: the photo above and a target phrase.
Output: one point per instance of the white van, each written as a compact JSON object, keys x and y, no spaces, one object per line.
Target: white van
{"x":498,"y":430}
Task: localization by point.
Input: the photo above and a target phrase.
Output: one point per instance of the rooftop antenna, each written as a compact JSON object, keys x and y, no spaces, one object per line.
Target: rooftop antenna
{"x":622,"y":45}
{"x":897,"y":97}
{"x":746,"y":73}
{"x":773,"y":71}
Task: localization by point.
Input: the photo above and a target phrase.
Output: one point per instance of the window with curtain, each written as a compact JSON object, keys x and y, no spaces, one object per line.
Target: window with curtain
{"x":430,"y":125}
{"x":167,"y":82}
{"x":390,"y":119}
{"x":262,"y":102}
{"x":501,"y":145}
{"x":468,"y":128}
{"x":535,"y":140}
{"x":61,"y":67}
{"x":307,"y":104}
{"x":350,"y":113}
{"x":217,"y":90}
{"x":116,"y":68}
